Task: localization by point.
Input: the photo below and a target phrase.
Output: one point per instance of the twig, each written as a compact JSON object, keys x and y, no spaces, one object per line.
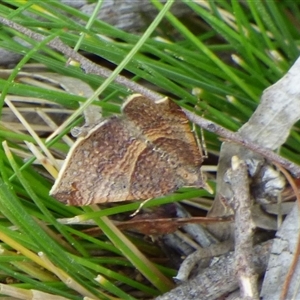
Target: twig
{"x":295,"y":260}
{"x":236,"y":138}
{"x":218,"y":279}
{"x":86,"y":64}
{"x":243,"y":229}
{"x":195,"y":258}
{"x":90,"y":67}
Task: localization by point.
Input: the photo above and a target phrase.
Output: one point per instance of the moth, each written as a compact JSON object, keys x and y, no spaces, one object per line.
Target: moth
{"x":146,"y":152}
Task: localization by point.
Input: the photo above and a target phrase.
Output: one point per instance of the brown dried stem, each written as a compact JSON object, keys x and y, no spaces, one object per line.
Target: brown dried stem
{"x":87,"y":65}
{"x":90,"y":67}
{"x":243,"y":229}
{"x":219,"y":279}
{"x":236,"y":138}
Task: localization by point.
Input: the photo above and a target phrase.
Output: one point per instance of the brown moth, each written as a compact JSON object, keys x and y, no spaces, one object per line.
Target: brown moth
{"x":146,"y":152}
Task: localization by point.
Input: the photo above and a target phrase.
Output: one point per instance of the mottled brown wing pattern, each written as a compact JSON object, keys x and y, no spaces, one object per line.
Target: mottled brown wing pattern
{"x":165,"y":128}
{"x":148,"y":152}
{"x":92,"y":170}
